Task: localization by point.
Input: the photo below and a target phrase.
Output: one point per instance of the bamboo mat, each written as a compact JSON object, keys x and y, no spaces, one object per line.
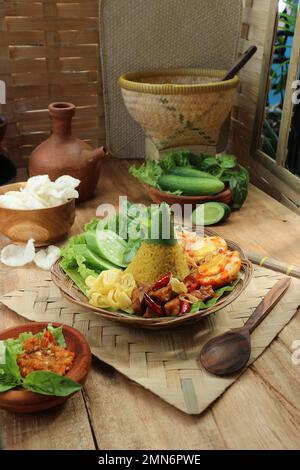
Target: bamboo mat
{"x":164,"y":362}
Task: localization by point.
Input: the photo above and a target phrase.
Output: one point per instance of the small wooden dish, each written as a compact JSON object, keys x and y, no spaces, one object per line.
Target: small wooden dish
{"x":158,"y":196}
{"x":45,"y":226}
{"x":23,"y":401}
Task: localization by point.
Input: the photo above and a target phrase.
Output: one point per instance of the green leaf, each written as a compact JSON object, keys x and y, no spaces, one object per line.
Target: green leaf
{"x":227,"y":161}
{"x":149,"y":173}
{"x":16,"y":344}
{"x":11,"y":367}
{"x":49,"y":383}
{"x":131,"y":250}
{"x":172,"y":159}
{"x":75,"y":276}
{"x":209,"y":162}
{"x":4,"y":387}
{"x":92,"y":224}
{"x":10,"y":376}
{"x":239,"y":184}
{"x":58,"y":335}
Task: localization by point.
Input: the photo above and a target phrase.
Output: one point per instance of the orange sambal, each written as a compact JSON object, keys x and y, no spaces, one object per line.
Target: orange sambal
{"x":42,"y":353}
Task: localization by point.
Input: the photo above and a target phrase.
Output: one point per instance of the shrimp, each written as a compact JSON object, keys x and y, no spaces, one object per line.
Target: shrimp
{"x":220,"y":269}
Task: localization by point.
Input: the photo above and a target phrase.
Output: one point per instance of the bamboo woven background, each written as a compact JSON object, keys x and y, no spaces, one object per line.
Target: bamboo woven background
{"x":164,"y":362}
{"x":49,"y":50}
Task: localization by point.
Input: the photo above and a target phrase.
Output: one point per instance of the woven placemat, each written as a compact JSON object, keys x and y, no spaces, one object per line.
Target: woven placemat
{"x":138,"y":35}
{"x":164,"y":362}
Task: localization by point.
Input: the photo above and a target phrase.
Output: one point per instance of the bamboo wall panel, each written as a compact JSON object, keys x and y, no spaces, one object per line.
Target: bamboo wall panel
{"x":49,"y":51}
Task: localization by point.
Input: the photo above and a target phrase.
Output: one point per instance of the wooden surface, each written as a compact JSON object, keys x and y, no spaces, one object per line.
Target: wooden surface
{"x":261,"y":410}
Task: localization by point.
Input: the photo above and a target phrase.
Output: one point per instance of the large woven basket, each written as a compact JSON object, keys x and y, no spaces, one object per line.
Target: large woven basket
{"x":179,"y":107}
{"x":71,"y":292}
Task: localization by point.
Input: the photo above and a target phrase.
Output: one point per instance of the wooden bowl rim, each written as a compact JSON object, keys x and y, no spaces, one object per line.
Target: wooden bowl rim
{"x":21,"y":396}
{"x":22,"y":184}
{"x":179,"y":198}
{"x":72,"y":294}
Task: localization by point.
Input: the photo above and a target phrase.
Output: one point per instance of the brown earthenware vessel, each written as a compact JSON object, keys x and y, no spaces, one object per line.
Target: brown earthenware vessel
{"x":63,"y":154}
{"x":158,"y":197}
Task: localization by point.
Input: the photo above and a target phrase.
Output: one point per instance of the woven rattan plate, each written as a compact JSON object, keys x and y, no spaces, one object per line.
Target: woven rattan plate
{"x":71,"y":292}
{"x":164,"y":362}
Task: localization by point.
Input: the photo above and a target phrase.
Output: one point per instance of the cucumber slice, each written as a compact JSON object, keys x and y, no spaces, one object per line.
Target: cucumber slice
{"x":210,"y":212}
{"x":108,"y":245}
{"x":93,"y":260}
{"x":227,"y":211}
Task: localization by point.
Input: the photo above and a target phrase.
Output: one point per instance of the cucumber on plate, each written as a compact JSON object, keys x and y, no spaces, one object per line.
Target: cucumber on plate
{"x":211,"y":213}
{"x":191,"y":186}
{"x":191,"y":172}
{"x":107,"y":244}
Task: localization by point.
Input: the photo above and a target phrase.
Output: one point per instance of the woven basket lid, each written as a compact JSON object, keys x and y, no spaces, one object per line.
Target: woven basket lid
{"x":139,"y":35}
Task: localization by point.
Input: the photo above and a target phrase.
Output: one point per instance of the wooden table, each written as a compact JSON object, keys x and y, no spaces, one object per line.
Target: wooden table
{"x":260,"y":411}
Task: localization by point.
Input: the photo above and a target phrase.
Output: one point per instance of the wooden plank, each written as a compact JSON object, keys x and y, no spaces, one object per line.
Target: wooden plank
{"x":80,"y":9}
{"x":43,"y":115}
{"x":23,"y":9}
{"x":49,"y":24}
{"x":78,"y":37}
{"x":33,"y":104}
{"x":29,"y":38}
{"x":79,"y":63}
{"x":29,"y":52}
{"x":78,"y":77}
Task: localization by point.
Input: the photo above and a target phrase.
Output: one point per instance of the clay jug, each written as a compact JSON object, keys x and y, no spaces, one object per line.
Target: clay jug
{"x":63,"y":154}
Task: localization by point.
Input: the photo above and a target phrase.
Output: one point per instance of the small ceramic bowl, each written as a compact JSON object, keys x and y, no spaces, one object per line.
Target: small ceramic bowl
{"x":45,"y":226}
{"x":23,"y":401}
{"x":158,"y":196}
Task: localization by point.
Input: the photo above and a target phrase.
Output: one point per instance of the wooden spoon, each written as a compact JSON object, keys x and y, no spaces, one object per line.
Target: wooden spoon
{"x":230,"y":352}
{"x":240,"y":63}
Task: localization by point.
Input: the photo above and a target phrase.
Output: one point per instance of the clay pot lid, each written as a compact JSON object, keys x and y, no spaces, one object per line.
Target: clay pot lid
{"x":61,"y":109}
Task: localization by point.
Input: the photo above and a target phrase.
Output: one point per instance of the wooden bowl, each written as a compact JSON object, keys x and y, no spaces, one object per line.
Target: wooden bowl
{"x":158,"y":196}
{"x":45,"y":226}
{"x":70,"y":291}
{"x":23,"y":401}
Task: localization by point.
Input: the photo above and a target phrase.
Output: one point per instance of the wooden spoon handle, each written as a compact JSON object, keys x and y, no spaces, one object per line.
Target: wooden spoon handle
{"x":240,"y":63}
{"x":268,"y":302}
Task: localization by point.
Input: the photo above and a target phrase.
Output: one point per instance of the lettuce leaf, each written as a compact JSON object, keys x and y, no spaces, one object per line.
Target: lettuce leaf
{"x":58,"y":335}
{"x":172,"y":159}
{"x":149,"y":173}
